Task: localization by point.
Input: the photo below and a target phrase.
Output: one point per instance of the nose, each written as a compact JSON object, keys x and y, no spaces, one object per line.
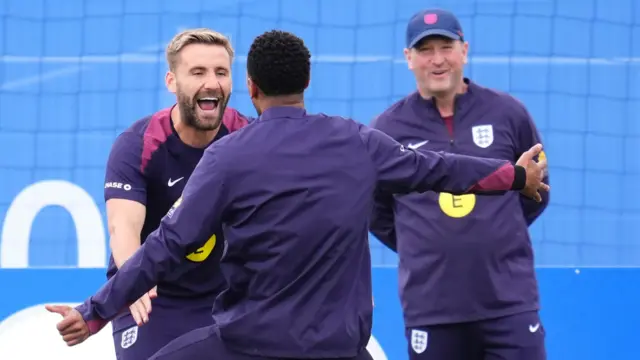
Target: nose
{"x":211,"y":83}
{"x":437,"y":58}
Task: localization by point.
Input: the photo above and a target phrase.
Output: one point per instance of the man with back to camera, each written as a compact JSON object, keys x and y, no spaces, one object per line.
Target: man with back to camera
{"x":467,"y":280}
{"x":294,"y":207}
{"x":148,"y":167}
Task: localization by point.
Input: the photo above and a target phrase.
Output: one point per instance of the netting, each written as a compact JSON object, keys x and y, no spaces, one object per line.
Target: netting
{"x":75,"y":73}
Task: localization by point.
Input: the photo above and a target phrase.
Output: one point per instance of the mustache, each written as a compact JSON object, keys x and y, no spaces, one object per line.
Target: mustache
{"x":218,"y":93}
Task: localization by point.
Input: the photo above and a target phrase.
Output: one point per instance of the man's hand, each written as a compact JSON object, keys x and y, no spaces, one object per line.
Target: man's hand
{"x":536,"y":171}
{"x":73,"y":328}
{"x":142,"y":307}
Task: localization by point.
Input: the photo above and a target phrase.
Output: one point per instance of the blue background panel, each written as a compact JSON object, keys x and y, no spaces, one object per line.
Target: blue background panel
{"x":75,"y":73}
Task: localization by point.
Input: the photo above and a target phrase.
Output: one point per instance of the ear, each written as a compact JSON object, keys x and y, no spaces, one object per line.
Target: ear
{"x":407,"y":56}
{"x":170,"y":82}
{"x":252,"y":88}
{"x":465,"y":52}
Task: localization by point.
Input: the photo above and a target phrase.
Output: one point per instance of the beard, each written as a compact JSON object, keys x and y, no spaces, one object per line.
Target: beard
{"x":188,"y":107}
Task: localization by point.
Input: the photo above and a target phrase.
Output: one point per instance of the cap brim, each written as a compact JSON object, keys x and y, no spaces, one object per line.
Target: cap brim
{"x":433,"y":32}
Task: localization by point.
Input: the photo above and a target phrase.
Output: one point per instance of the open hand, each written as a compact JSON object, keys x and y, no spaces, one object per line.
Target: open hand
{"x":536,"y":171}
{"x":73,"y":328}
{"x":141,"y":309}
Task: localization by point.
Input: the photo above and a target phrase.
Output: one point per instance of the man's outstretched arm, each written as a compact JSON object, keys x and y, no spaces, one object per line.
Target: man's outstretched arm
{"x":402,"y":170}
{"x":184,"y":229}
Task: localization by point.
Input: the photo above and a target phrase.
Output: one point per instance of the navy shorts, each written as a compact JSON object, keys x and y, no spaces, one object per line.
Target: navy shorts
{"x":204,"y":344}
{"x":514,"y":337}
{"x":168,"y":320}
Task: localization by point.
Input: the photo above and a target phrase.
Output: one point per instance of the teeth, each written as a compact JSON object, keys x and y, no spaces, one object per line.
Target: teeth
{"x":209,"y":99}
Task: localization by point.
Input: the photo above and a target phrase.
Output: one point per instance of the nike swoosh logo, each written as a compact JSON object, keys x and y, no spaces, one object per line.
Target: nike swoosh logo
{"x":534,"y":328}
{"x":415,"y":146}
{"x":171,"y":183}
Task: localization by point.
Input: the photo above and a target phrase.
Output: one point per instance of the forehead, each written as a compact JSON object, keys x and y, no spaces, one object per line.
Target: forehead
{"x":434,"y":40}
{"x":204,"y":55}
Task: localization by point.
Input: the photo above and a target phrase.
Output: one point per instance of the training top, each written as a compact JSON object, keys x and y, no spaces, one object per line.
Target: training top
{"x":149,"y":164}
{"x":461,"y":258}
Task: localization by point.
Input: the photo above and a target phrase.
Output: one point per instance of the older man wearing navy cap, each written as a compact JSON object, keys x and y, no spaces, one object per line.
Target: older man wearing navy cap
{"x":466,"y":269}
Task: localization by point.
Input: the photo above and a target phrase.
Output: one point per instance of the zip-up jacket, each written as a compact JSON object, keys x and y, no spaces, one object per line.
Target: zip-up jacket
{"x":462,"y":258}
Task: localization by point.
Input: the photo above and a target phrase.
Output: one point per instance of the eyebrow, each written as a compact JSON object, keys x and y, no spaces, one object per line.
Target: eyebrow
{"x":204,"y":68}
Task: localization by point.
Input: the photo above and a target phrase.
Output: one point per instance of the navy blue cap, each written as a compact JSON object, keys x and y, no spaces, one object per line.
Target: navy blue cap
{"x":433,"y":22}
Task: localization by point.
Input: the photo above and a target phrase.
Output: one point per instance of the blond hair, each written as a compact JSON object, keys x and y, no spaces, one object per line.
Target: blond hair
{"x":195,"y":36}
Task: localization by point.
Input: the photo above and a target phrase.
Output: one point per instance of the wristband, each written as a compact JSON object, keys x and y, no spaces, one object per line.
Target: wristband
{"x":519,"y":178}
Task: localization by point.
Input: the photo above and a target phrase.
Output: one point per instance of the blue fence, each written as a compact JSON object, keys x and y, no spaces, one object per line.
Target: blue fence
{"x":75,"y":73}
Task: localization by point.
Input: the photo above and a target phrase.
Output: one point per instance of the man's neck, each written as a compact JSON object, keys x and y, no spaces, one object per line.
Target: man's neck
{"x":285,"y":100}
{"x":190,"y":136}
{"x":445,"y":102}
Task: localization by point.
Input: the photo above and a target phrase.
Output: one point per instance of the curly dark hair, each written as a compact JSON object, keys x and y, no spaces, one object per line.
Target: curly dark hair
{"x":279,"y":63}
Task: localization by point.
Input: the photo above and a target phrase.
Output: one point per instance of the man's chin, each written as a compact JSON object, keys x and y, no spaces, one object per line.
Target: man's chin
{"x":209,"y":118}
{"x":440,"y":90}
{"x":208,"y":124}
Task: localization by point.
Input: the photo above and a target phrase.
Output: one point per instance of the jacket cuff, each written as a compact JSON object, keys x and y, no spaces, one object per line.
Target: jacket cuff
{"x":519,"y":178}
